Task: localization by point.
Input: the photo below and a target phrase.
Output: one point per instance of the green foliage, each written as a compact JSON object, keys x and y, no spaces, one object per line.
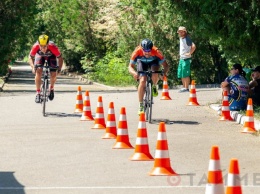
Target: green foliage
{"x":98,"y":35}
{"x":110,"y":70}
{"x":16,"y":19}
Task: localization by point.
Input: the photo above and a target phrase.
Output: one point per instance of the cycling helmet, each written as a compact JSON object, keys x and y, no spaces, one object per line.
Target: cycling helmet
{"x":43,"y":39}
{"x":147,"y":44}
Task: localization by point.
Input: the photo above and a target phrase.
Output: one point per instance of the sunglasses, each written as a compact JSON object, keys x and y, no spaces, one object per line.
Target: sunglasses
{"x":147,"y":51}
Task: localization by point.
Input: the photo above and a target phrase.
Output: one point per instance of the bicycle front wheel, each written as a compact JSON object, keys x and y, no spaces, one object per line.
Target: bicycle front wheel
{"x":44,"y":97}
{"x":148,"y":103}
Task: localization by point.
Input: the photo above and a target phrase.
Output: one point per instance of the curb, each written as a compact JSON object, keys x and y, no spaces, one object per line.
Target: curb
{"x":239,"y":118}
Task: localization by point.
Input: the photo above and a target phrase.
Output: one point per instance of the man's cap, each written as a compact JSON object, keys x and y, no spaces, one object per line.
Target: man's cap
{"x":181,"y":28}
{"x":256,"y":69}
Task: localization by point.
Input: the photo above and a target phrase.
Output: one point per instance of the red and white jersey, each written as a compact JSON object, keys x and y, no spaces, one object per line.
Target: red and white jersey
{"x":52,"y":50}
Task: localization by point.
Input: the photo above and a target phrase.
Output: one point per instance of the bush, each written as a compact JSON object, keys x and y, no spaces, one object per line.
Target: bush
{"x":110,"y":70}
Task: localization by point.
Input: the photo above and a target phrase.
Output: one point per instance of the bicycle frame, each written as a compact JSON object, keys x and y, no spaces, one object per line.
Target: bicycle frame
{"x":148,"y":97}
{"x":45,"y":86}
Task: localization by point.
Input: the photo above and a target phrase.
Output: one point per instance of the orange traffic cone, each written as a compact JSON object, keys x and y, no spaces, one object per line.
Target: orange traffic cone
{"x":193,"y":98}
{"x":225,"y":115}
{"x":122,"y":139}
{"x":249,"y":124}
{"x":86,"y":114}
{"x":111,"y":123}
{"x":233,"y":182}
{"x":162,"y":164}
{"x":165,"y":92}
{"x":79,"y":101}
{"x":215,"y":180}
{"x":141,"y":145}
{"x":99,"y":117}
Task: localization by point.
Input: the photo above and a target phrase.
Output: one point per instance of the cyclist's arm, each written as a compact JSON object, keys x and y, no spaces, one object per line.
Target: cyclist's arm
{"x":165,"y":68}
{"x":60,"y":61}
{"x":131,"y":69}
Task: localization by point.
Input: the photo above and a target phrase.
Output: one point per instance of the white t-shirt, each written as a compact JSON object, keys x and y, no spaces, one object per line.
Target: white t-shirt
{"x":185,"y":46}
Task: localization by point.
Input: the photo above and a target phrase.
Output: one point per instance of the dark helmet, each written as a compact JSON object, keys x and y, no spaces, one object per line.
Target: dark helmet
{"x":147,"y":44}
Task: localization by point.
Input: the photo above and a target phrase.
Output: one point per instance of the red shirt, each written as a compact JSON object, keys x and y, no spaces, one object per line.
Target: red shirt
{"x":52,"y":48}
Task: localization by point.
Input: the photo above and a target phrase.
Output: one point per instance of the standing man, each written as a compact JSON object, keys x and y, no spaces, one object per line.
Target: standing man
{"x":187,"y":47}
{"x":43,"y":50}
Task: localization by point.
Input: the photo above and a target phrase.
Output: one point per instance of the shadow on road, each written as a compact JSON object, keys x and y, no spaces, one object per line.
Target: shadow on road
{"x":169,"y":122}
{"x":61,"y":114}
{"x":9,"y":184}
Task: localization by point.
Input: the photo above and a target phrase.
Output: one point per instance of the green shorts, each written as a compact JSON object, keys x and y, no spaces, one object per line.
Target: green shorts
{"x":184,"y":68}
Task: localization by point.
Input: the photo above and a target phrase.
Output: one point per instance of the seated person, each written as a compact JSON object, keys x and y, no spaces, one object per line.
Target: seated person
{"x":254,"y":86}
{"x":237,"y":88}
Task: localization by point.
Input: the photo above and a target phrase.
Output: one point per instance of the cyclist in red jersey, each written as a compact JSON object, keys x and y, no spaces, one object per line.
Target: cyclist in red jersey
{"x":144,"y":57}
{"x":43,"y":50}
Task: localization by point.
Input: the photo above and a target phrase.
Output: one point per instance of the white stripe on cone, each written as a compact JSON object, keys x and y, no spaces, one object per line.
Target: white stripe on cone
{"x":161,"y":154}
{"x":233,"y":180}
{"x":122,"y":131}
{"x":122,"y":118}
{"x":141,"y":125}
{"x":161,"y":136}
{"x":141,"y":141}
{"x":214,"y":165}
{"x":99,"y":115}
{"x":86,"y":108}
{"x":111,"y":111}
{"x":249,"y":119}
{"x":99,"y":104}
{"x":111,"y":124}
{"x":214,"y":189}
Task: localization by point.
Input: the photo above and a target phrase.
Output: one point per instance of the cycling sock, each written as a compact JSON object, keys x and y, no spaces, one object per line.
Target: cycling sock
{"x":52,"y":88}
{"x":38,"y":91}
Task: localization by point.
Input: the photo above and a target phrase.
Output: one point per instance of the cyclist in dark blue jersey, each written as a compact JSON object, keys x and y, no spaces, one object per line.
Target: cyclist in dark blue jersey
{"x":237,"y":87}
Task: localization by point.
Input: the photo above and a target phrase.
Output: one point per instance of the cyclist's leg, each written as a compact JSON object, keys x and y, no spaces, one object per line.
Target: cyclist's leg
{"x":142,"y":80}
{"x":53,"y":74}
{"x":53,"y":70}
{"x":38,"y":62}
{"x":155,"y":78}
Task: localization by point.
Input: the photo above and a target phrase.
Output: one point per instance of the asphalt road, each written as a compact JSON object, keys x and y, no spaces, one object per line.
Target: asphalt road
{"x":60,"y":154}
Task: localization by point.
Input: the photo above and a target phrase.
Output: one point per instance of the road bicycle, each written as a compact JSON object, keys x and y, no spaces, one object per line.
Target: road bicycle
{"x":148,"y":96}
{"x":44,"y":94}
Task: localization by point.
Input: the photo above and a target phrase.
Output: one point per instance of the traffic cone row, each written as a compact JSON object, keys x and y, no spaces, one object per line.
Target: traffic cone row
{"x":162,"y":164}
{"x":215,"y":179}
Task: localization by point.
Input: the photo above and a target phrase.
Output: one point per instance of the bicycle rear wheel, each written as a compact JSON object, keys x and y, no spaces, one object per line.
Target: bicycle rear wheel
{"x":44,"y":97}
{"x":148,"y":103}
